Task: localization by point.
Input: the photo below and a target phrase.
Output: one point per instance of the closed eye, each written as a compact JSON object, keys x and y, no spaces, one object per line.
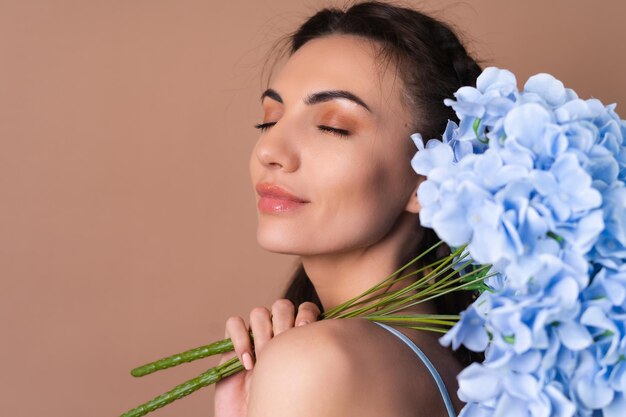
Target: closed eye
{"x":336,"y":131}
{"x":264,"y":126}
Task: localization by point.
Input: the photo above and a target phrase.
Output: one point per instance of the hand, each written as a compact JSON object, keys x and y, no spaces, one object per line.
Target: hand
{"x":231,"y":394}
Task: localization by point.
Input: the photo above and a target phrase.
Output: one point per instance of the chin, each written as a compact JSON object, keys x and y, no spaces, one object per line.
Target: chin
{"x":298,"y":244}
{"x":289,"y":243}
{"x":278,"y":242}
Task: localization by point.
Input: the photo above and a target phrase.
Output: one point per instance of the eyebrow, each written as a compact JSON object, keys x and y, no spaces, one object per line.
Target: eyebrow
{"x":319,"y":97}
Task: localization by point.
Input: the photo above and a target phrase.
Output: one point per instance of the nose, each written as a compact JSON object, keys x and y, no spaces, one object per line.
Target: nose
{"x":275,"y":150}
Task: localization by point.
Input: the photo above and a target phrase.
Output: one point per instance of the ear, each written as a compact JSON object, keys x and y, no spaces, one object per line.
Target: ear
{"x":413,"y":206}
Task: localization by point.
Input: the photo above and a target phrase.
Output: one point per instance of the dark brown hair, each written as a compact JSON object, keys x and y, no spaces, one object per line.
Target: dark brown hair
{"x":433,"y":64}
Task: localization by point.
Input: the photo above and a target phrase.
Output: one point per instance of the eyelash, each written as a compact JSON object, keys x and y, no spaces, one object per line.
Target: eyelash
{"x":339,"y":132}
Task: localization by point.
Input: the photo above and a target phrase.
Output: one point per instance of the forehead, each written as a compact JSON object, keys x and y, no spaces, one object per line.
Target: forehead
{"x":344,"y":62}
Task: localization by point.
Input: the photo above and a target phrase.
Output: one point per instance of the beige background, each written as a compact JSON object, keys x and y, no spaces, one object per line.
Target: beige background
{"x":127,"y":221}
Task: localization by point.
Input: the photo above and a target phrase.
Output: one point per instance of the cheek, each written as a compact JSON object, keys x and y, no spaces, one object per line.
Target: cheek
{"x":361,"y":200}
{"x":366,"y":178}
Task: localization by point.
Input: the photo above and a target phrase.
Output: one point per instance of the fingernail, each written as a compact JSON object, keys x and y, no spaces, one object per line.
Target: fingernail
{"x":247,"y":361}
{"x":302,"y":323}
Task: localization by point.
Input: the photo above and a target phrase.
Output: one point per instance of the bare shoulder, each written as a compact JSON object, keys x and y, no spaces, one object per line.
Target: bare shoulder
{"x":306,"y":371}
{"x":340,"y":367}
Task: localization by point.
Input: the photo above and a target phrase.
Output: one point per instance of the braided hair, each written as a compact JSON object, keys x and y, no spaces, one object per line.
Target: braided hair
{"x":432,"y":63}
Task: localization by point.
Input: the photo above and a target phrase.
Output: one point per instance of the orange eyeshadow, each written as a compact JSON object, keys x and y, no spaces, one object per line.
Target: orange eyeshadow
{"x":338,"y":120}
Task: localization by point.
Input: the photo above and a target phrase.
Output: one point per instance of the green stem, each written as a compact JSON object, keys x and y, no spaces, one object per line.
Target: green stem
{"x":429,"y":329}
{"x":381,"y":295}
{"x":449,"y":279}
{"x":341,"y":307}
{"x":221,"y":346}
{"x":439,"y":294}
{"x":415,"y":319}
{"x":395,"y":295}
{"x":209,"y":377}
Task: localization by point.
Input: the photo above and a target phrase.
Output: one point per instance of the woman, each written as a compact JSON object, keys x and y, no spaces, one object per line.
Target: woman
{"x":335,"y":186}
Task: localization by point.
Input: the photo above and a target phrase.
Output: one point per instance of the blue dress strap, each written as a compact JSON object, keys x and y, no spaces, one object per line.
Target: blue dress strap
{"x":429,"y":365}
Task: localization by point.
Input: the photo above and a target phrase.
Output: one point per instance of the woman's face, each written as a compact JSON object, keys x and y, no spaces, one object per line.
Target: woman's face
{"x":337,"y":137}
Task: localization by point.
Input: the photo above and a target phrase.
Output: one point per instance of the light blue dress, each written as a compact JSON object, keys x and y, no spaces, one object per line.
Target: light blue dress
{"x":429,"y":365}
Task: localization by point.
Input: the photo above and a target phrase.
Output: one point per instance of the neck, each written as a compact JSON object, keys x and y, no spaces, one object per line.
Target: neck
{"x":340,"y":276}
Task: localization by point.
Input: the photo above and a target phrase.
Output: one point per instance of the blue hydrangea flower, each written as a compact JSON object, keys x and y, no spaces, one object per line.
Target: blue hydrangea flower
{"x":534,"y":182}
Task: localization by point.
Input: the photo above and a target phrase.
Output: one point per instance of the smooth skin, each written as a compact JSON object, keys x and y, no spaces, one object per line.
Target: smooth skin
{"x":350,"y":158}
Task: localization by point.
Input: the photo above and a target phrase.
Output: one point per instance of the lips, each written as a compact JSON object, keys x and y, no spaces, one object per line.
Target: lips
{"x":276,"y":199}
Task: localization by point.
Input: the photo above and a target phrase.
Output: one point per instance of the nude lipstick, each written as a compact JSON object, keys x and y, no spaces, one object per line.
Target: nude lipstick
{"x":275,"y":199}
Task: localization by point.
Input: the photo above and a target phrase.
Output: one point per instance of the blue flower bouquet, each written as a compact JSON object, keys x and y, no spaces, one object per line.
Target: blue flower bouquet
{"x":532,"y":182}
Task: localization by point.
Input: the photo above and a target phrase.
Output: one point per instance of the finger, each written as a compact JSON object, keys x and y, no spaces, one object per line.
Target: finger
{"x":308,"y":312}
{"x":236,"y":328}
{"x":283,"y":312}
{"x":224,"y":357}
{"x":261,"y":325}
